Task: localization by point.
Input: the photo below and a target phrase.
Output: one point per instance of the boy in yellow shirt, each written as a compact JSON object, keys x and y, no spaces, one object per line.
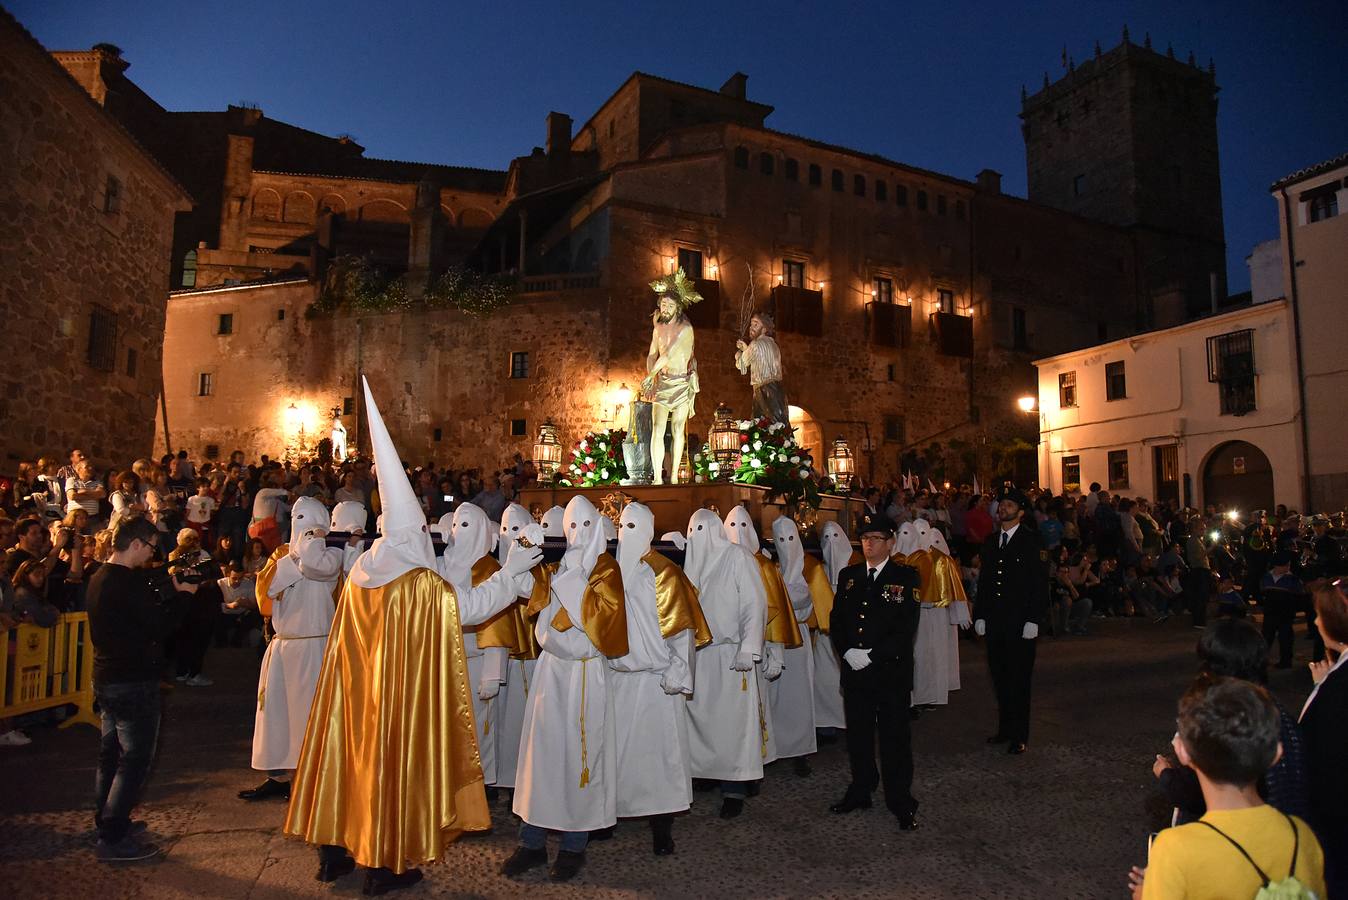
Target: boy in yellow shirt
{"x":1228,"y":734}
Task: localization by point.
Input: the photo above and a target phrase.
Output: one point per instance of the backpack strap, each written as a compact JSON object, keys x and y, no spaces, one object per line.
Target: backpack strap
{"x":1296,"y":845}
{"x":1262,"y":877}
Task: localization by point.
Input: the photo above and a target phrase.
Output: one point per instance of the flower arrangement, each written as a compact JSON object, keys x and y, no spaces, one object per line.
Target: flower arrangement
{"x":705,"y":466}
{"x":770,"y":456}
{"x":596,"y":459}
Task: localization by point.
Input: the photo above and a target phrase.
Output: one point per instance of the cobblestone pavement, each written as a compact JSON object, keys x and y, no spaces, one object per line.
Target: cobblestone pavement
{"x":1065,"y":820}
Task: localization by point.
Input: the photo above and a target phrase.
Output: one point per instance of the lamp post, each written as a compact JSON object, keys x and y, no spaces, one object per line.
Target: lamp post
{"x":841,"y":465}
{"x":724,"y":441}
{"x":1027,"y":403}
{"x":547,"y":452}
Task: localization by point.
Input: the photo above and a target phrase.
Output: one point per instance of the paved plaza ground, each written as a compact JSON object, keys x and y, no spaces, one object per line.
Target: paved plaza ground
{"x":1065,"y":820}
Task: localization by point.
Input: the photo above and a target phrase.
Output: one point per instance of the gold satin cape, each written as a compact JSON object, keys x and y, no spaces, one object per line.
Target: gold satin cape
{"x":603,"y":609}
{"x":941,"y":584}
{"x":676,"y":601}
{"x":780,"y":622}
{"x":264,"y":579}
{"x":821,"y":592}
{"x":513,"y":627}
{"x":390,"y":768}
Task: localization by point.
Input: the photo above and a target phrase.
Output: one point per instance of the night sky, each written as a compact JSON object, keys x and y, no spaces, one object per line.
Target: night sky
{"x":933,"y":85}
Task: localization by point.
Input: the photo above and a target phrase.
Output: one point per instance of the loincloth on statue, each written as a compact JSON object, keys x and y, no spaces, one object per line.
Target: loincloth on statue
{"x":676,"y":392}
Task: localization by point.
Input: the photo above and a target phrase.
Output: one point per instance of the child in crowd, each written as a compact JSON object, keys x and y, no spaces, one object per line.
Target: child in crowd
{"x":200,"y":509}
{"x":1230,"y":601}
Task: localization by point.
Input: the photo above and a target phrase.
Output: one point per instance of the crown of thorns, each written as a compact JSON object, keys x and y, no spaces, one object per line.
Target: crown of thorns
{"x":679,"y":287}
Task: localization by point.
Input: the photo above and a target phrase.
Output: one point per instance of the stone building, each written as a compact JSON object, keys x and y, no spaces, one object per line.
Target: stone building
{"x":1129,"y":137}
{"x":909,"y":303}
{"x":86,"y":230}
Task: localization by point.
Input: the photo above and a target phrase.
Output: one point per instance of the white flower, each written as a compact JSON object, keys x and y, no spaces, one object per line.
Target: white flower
{"x":795,"y":460}
{"x":756,"y":463}
{"x":744,"y":448}
{"x":781,"y":457}
{"x":744,"y":424}
{"x":758,"y":445}
{"x":589,"y":459}
{"x":714,"y":466}
{"x":697,"y":478}
{"x":584,"y":444}
{"x":804,"y":473}
{"x":775,"y":426}
{"x":603,"y":473}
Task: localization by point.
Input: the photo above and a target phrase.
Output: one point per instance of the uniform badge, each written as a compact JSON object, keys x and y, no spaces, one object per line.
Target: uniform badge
{"x":1043,"y":556}
{"x":850,"y":582}
{"x":892,"y":593}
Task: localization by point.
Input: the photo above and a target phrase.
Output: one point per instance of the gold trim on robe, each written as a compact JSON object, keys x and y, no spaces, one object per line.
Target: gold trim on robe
{"x":821,"y":592}
{"x":941,"y":583}
{"x":390,"y":767}
{"x":602,"y":609}
{"x":264,"y":579}
{"x":780,"y":625}
{"x":513,"y":627}
{"x":676,"y":600}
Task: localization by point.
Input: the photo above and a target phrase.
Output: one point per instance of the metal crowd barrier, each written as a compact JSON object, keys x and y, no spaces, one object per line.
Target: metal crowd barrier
{"x":49,"y":667}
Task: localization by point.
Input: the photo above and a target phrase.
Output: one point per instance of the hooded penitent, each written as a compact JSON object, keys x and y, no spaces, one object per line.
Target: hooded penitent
{"x":349,"y":516}
{"x":791,"y":696}
{"x":552,"y":522}
{"x":828,"y":704}
{"x":837,"y":549}
{"x":781,"y":628}
{"x":473,"y":536}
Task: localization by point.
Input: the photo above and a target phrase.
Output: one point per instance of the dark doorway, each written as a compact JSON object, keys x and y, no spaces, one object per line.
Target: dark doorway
{"x":1238,"y":476}
{"x":1166,"y":466}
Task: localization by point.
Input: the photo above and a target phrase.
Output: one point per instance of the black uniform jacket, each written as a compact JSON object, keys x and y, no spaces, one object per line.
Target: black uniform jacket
{"x":1012,"y":583}
{"x":881,"y":618}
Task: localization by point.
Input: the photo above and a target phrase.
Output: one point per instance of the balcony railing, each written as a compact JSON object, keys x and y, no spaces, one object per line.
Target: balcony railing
{"x":954,"y":334}
{"x":889,"y":324}
{"x":798,"y":310}
{"x":542,"y":284}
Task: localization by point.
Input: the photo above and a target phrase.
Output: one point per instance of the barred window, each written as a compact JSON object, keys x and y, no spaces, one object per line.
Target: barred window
{"x":1067,"y":390}
{"x":1116,"y":381}
{"x":102,"y":350}
{"x":519,"y":364}
{"x":1231,"y":368}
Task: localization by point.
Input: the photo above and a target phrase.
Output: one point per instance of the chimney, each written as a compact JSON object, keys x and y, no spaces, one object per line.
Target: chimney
{"x":559,"y":135}
{"x":990,"y":181}
{"x":735,"y":86}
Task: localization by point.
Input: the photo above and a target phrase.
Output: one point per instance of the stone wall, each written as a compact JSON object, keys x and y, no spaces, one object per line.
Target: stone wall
{"x":69,"y":251}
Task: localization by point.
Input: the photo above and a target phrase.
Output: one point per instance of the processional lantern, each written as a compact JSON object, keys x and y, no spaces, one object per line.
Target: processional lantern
{"x":841,"y":465}
{"x":725,"y":442}
{"x":547,"y":452}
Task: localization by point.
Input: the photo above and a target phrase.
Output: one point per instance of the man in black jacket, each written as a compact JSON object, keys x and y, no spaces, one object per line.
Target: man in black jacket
{"x":129,"y":618}
{"x":872,"y":626}
{"x":1012,"y":598}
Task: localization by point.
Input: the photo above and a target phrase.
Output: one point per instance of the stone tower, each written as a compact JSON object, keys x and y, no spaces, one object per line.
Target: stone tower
{"x":1129,"y":137}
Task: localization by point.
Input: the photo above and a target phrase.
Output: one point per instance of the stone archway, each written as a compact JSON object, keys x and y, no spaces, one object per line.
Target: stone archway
{"x":809,"y":434}
{"x":1238,"y":475}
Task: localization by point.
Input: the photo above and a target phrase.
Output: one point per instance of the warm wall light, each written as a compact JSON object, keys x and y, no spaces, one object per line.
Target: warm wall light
{"x":821,"y":285}
{"x":713,"y":270}
{"x":1026,"y":403}
{"x":777,"y":279}
{"x":841,"y":464}
{"x":669,"y":264}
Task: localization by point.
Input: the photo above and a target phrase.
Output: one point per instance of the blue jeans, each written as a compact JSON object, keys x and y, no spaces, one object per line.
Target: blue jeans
{"x":534,"y":838}
{"x":130,"y":724}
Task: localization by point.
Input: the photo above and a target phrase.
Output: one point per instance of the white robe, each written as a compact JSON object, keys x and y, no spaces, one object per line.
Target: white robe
{"x":651,"y":725}
{"x":932,"y":651}
{"x":302,"y":615}
{"x":791,"y":696}
{"x":570,"y":686}
{"x":486,"y":664}
{"x":729,"y":737}
{"x":511,"y":704}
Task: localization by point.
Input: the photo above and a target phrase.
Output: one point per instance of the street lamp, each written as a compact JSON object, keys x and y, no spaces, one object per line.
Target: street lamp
{"x":1027,"y":403}
{"x":841,"y":464}
{"x":724,"y":441}
{"x":547,"y":452}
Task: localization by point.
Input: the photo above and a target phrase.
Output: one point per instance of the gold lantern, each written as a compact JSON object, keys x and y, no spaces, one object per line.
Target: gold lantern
{"x":841,"y":465}
{"x":724,"y":442}
{"x":547,"y":452}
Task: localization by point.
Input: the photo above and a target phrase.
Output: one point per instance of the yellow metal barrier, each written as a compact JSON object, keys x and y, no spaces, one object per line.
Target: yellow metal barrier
{"x":48,"y":667}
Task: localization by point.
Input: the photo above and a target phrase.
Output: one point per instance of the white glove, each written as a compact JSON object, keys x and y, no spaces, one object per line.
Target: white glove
{"x":959,"y":614}
{"x":744,"y":662}
{"x":488,"y":689}
{"x":669,"y":684}
{"x":1030,"y":631}
{"x":522,"y":559}
{"x":857,"y":658}
{"x":980,"y":628}
{"x":677,"y":538}
{"x":772,"y":668}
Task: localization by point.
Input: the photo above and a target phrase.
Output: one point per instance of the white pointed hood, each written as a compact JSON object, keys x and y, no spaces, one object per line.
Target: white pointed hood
{"x":516,"y":522}
{"x":308,"y":515}
{"x":933,"y":540}
{"x":907,"y":540}
{"x":739,"y":528}
{"x":837,"y":549}
{"x":707,"y":542}
{"x":552,"y":522}
{"x":584,"y":536}
{"x":349,"y":516}
{"x":790,"y":553}
{"x":635,"y":533}
{"x":610,"y":530}
{"x":404,"y":542}
{"x":474,"y":536}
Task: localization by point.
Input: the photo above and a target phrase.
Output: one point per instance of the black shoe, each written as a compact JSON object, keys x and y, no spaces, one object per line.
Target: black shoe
{"x":824,"y":740}
{"x":850,"y":803}
{"x":907,"y":821}
{"x":998,"y":739}
{"x":1016,"y":748}
{"x":662,"y":835}
{"x":701,"y":785}
{"x":125,"y":850}
{"x":566,"y":865}
{"x":331,"y":871}
{"x":492,"y":795}
{"x":381,"y":881}
{"x":522,"y":860}
{"x":731,"y":807}
{"x":801,"y":766}
{"x":602,"y":834}
{"x":914,"y":713}
{"x":266,"y":790}
{"x":753,"y":788}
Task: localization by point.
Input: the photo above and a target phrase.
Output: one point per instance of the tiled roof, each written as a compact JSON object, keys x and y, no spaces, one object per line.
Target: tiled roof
{"x":1310,"y":171}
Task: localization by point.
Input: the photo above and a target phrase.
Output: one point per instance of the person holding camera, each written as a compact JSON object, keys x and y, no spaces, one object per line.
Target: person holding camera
{"x":129,"y":618}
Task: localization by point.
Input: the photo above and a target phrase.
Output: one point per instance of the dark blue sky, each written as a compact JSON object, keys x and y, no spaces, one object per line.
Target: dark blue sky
{"x":935,"y":85}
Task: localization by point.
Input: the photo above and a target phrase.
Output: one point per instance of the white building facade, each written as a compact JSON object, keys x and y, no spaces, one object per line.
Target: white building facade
{"x":1204,"y":414}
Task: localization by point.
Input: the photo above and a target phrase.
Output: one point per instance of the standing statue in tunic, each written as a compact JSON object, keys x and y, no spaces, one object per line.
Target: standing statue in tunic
{"x":338,"y":438}
{"x":671,"y":379}
{"x":761,"y":359}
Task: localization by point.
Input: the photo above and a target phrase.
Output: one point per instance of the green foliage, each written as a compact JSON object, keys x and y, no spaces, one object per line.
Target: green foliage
{"x":770,"y":456}
{"x":359,"y":284}
{"x":596,"y":459}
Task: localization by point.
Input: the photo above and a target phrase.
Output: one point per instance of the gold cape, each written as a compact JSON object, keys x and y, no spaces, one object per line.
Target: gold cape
{"x":941,"y":584}
{"x":676,"y":600}
{"x":603,"y":610}
{"x":821,"y":592}
{"x":264,"y":579}
{"x":513,"y":627}
{"x":780,"y":625}
{"x":390,"y":768}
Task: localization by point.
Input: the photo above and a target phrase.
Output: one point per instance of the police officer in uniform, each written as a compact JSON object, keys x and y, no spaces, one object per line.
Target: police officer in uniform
{"x":1012,"y":597}
{"x":873,"y":625}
